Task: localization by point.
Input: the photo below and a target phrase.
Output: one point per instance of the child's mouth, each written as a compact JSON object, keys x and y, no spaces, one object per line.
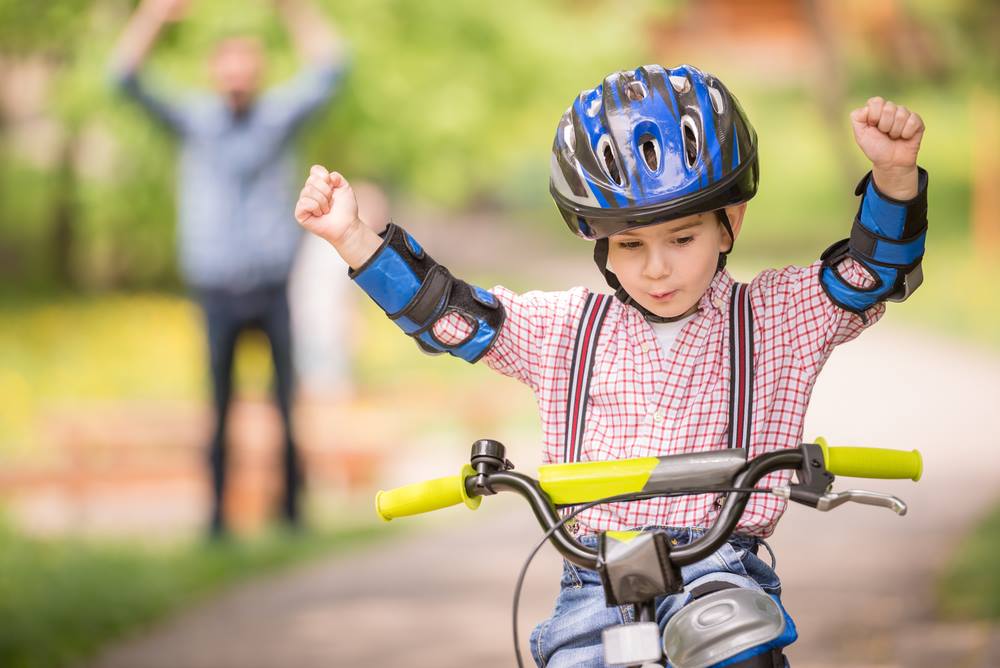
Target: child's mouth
{"x":663,"y":296}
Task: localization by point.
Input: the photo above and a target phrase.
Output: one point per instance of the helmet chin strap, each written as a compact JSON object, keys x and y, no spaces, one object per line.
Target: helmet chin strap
{"x":601,"y":260}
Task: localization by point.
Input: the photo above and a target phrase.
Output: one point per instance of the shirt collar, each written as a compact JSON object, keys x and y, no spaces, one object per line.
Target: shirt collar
{"x":717,"y":295}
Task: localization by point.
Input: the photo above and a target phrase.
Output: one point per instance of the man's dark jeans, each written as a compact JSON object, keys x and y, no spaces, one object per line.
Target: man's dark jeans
{"x":227,"y":314}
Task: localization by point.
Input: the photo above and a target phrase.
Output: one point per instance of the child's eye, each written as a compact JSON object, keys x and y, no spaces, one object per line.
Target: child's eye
{"x":683,"y":241}
{"x":630,"y":244}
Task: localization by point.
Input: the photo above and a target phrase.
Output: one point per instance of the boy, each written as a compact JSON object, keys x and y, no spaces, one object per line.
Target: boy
{"x":657,"y":167}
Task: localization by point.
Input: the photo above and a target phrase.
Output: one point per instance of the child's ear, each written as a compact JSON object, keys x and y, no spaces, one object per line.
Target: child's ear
{"x":735,"y":214}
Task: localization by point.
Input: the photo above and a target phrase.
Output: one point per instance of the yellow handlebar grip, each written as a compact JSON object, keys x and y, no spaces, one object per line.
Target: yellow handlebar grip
{"x":423,"y":497}
{"x":872,"y":462}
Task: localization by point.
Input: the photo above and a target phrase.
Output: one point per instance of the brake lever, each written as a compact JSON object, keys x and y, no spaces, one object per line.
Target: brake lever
{"x":831,"y":500}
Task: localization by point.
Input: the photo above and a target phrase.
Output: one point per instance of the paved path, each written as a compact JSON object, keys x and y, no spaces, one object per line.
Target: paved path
{"x":858,"y":581}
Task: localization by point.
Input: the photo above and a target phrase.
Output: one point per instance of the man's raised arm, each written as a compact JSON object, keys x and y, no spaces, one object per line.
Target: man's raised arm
{"x":142,"y":31}
{"x":137,"y":40}
{"x":316,"y":40}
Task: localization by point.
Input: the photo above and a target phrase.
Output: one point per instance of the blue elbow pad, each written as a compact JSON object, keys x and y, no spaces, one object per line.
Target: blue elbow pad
{"x":416,"y":292}
{"x":887,"y":239}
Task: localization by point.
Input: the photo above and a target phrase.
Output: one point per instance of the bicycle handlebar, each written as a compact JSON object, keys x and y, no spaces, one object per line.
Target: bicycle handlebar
{"x":423,"y":497}
{"x":872,"y":462}
{"x":635,"y":479}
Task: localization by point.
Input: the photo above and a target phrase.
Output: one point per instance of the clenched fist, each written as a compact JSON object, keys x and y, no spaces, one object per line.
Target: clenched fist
{"x":327,"y":208}
{"x":889,"y":135}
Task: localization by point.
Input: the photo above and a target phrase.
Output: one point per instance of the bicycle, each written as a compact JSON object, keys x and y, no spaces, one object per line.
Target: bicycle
{"x":637,"y":567}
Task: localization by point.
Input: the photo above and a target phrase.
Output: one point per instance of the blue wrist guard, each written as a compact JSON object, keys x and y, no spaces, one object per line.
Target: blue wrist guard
{"x":416,"y":292}
{"x":888,"y":240}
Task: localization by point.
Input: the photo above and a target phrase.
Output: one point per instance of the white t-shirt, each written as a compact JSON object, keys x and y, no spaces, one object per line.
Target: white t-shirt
{"x":667,"y":332}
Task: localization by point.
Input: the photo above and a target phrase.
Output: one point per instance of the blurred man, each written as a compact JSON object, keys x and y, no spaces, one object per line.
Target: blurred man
{"x":236,"y":191}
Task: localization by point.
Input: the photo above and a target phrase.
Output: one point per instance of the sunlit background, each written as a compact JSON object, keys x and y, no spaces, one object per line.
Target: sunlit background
{"x":448,"y":107}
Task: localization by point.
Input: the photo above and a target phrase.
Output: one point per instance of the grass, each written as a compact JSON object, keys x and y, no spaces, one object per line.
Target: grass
{"x":970,"y":586}
{"x":61,"y":600}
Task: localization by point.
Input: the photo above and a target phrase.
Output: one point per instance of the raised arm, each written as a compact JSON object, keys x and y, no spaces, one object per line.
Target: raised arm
{"x":323,"y":52}
{"x":404,"y":280}
{"x":881,"y":260}
{"x":142,"y":31}
{"x":315,"y":38}
{"x":137,"y":40}
{"x":887,"y":238}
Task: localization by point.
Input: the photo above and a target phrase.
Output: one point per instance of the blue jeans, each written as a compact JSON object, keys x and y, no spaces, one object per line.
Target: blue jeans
{"x":572,"y":636}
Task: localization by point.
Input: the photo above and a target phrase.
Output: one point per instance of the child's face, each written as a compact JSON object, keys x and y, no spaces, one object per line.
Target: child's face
{"x":668,"y":267}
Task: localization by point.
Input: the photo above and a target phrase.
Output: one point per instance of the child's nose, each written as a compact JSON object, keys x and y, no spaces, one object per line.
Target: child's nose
{"x":657,"y":265}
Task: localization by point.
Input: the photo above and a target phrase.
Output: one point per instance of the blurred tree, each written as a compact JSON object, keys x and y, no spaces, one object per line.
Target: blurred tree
{"x":50,"y":32}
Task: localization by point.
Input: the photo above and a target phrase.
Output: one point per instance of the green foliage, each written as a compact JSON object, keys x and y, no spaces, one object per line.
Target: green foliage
{"x":23,"y":219}
{"x":63,"y":599}
{"x":803,"y":204}
{"x":452,"y":100}
{"x":970,"y":587}
{"x":51,"y":26}
{"x":449,"y":100}
{"x":467,"y":97}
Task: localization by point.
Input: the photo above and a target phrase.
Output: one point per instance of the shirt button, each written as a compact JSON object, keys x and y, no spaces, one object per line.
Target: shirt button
{"x":658,"y":416}
{"x":717,"y":302}
{"x":645,"y":347}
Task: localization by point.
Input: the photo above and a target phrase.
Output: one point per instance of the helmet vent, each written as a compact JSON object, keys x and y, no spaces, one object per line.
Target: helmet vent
{"x":680,"y":84}
{"x":690,"y":141}
{"x":716,"y":96}
{"x":611,"y":164}
{"x":635,"y":90}
{"x":650,"y":152}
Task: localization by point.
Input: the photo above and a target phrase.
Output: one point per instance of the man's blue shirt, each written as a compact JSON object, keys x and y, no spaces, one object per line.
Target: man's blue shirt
{"x":237,"y":184}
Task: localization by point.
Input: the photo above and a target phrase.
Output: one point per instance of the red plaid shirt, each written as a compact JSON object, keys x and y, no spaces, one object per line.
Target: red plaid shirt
{"x":646,"y":403}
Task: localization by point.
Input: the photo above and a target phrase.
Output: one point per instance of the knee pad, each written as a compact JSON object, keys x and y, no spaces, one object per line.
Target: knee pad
{"x":726,"y":625}
{"x":415,"y":292}
{"x":887,"y":239}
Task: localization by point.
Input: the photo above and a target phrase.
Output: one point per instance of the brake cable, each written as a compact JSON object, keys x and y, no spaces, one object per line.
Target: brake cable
{"x":579,"y":509}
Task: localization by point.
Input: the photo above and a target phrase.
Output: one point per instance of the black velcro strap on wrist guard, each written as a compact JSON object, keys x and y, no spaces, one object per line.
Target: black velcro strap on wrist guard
{"x":416,"y":292}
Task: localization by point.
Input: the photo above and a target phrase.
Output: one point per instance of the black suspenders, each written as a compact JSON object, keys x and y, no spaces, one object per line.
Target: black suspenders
{"x":740,"y":366}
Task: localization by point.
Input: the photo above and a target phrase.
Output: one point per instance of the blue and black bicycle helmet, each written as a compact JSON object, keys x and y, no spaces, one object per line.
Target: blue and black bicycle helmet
{"x":647,"y":146}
